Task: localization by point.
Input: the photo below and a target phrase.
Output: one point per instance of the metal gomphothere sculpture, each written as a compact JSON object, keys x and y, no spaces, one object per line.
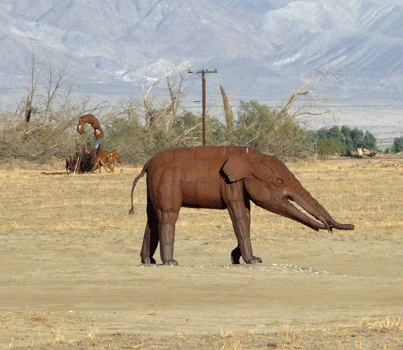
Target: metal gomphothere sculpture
{"x":221,"y":178}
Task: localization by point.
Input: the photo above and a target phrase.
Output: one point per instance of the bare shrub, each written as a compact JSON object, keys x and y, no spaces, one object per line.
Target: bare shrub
{"x":39,"y":140}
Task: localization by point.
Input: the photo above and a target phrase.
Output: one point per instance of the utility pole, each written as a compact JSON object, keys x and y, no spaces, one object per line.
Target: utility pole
{"x":203,"y":72}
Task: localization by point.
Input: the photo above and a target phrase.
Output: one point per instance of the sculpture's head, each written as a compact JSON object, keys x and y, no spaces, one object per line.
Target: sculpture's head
{"x":272,"y":186}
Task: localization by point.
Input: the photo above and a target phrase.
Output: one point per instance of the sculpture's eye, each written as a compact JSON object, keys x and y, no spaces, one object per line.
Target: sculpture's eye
{"x":280,"y":182}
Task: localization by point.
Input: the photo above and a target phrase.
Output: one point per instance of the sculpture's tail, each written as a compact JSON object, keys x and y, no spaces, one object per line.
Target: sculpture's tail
{"x":131,"y":211}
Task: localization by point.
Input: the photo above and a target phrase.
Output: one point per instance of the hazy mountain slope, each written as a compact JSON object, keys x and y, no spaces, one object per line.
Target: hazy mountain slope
{"x":117,"y":35}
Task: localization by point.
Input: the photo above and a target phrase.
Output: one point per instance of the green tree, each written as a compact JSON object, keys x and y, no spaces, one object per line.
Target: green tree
{"x":350,"y":139}
{"x":397,"y":145}
{"x":188,"y":131}
{"x":186,"y":121}
{"x":129,"y":137}
{"x":357,"y":138}
{"x":369,"y":141}
{"x":329,"y":147}
{"x":347,"y":141}
{"x":270,"y":131}
{"x":254,"y":125}
{"x":335,"y":133}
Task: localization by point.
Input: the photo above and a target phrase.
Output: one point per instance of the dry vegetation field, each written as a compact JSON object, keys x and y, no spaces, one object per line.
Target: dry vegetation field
{"x":70,"y":273}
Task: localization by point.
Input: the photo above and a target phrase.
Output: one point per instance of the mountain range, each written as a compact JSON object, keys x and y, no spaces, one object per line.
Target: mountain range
{"x":262,"y":49}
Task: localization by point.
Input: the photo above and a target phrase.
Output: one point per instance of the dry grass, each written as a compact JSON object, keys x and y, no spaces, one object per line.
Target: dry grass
{"x":336,"y":338}
{"x":66,"y":204}
{"x":369,"y":197}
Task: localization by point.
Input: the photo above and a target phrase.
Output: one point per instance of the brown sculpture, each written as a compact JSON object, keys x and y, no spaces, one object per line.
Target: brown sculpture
{"x":93,"y":160}
{"x":221,"y":178}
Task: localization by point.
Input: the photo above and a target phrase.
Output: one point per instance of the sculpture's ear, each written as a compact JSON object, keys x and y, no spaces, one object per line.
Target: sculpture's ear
{"x":262,"y":171}
{"x":236,"y":168}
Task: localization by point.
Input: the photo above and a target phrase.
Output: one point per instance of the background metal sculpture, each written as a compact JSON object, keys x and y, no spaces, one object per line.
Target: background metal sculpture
{"x":90,"y":161}
{"x":221,"y":178}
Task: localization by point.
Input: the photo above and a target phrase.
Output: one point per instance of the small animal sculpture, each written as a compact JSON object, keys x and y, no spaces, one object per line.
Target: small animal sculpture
{"x":90,"y":161}
{"x":221,"y":178}
{"x":109,"y":158}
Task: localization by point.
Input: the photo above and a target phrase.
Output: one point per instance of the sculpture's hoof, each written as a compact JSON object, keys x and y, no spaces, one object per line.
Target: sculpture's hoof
{"x":171,"y":262}
{"x":148,"y":261}
{"x":254,"y":260}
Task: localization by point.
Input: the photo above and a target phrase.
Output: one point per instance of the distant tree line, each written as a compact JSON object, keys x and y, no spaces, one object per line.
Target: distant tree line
{"x":342,"y":141}
{"x":259,"y":126}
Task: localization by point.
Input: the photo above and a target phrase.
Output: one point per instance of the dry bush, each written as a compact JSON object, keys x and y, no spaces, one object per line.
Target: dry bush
{"x":389,"y":324}
{"x":39,"y":140}
{"x":291,"y":338}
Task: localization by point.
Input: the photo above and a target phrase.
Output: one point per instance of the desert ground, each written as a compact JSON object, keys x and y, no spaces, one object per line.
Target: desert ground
{"x":71,"y":277}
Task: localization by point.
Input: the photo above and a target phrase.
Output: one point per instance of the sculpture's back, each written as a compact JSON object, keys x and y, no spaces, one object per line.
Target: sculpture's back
{"x":196,"y":170}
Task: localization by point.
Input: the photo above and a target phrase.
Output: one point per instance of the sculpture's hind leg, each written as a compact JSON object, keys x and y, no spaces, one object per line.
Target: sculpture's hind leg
{"x":166,"y":228}
{"x":111,"y":159}
{"x":151,"y":238}
{"x":112,"y":162}
{"x":120,"y":161}
{"x":150,"y":243}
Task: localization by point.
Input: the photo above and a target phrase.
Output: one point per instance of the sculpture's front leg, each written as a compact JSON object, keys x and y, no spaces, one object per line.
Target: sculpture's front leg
{"x":241,"y":226}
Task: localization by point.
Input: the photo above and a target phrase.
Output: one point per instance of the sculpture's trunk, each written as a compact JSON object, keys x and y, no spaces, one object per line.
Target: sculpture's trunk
{"x":304,"y":199}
